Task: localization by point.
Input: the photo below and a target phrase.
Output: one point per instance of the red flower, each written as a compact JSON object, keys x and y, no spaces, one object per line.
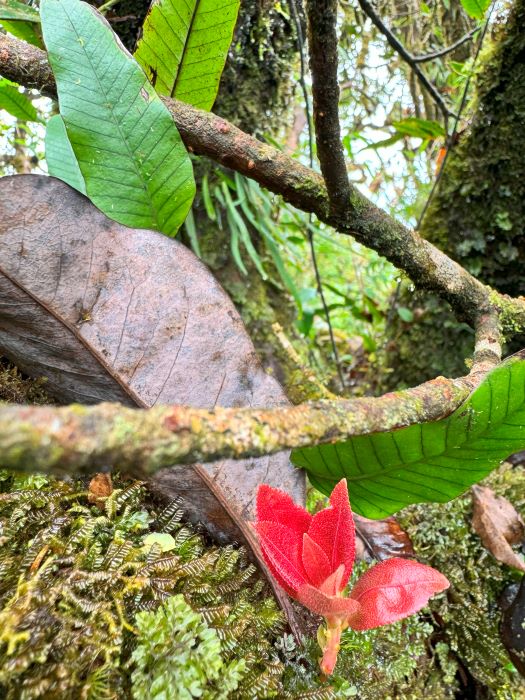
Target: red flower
{"x":312,"y":559}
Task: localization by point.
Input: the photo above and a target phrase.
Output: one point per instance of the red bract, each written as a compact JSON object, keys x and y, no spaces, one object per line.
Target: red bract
{"x":312,"y":558}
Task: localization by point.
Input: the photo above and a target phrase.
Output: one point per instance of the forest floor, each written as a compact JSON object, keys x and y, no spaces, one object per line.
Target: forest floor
{"x":87,"y":569}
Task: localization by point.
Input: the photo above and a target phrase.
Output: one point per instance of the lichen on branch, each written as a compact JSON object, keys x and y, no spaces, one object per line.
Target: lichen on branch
{"x":78,"y":439}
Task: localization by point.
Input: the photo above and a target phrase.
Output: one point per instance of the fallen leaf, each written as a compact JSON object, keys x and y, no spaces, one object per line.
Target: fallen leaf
{"x":499,"y":525}
{"x":381,"y":539}
{"x":100,"y":487}
{"x":512,"y":630}
{"x":109,"y":313}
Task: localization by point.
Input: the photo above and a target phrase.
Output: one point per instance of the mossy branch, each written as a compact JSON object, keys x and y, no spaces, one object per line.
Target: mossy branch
{"x":79,"y":439}
{"x":209,"y":135}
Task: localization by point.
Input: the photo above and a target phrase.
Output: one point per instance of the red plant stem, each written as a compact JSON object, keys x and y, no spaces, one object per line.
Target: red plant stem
{"x":332,"y":646}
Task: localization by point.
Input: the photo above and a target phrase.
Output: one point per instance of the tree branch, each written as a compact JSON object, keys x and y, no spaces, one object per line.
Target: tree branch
{"x":209,"y":135}
{"x":322,"y":41}
{"x":78,"y":439}
{"x":406,"y":56}
{"x":447,"y":49}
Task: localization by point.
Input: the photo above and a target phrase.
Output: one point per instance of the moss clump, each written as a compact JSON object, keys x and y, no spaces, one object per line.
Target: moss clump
{"x":81,"y":585}
{"x":16,"y":388}
{"x":467,"y":619}
{"x":73,"y":578}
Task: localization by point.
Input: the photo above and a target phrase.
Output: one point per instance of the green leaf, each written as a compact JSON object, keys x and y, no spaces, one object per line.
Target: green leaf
{"x":130,"y":153}
{"x":432,"y":461}
{"x":390,"y":141}
{"x":419,"y":128}
{"x":23,"y":30}
{"x":16,"y":103}
{"x":11,"y":9}
{"x":191,"y":230}
{"x":475,"y":8}
{"x":166,"y":541}
{"x":405,"y":314}
{"x":60,"y":158}
{"x":184,"y":47}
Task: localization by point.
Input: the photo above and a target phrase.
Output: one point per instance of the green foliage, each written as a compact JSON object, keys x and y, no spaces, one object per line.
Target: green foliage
{"x":476,"y":8}
{"x":184,"y":46}
{"x":430,"y":461}
{"x":425,"y":129}
{"x":60,"y":158}
{"x":15,"y":102}
{"x":130,"y":153}
{"x":356,"y":299}
{"x":12,"y":9}
{"x":27,"y":31}
{"x":177,"y":653}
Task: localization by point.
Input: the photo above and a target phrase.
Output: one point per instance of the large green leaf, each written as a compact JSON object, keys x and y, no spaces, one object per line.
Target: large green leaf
{"x":16,"y":103}
{"x":60,"y":158}
{"x":184,"y":47}
{"x":432,"y":461}
{"x":12,"y":9}
{"x":130,"y":153}
{"x":476,"y":8}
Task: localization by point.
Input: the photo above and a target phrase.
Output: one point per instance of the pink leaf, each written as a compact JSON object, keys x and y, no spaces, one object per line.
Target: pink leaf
{"x":333,"y":530}
{"x":392,"y":590}
{"x":281,"y":548}
{"x":333,"y":584}
{"x":278,"y":507}
{"x":315,"y":561}
{"x":326,"y":605}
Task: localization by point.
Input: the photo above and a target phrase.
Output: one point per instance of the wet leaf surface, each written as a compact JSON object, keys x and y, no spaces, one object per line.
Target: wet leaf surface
{"x":381,"y":539}
{"x":513,"y":626}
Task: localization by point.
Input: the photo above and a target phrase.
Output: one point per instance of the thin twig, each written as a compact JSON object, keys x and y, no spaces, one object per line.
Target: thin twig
{"x":407,"y":57}
{"x":309,"y":229}
{"x":451,"y":137}
{"x":323,"y":46}
{"x":448,"y":49}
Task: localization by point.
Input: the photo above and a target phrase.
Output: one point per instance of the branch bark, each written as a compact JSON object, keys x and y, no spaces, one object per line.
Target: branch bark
{"x":322,"y":41}
{"x":446,"y":50}
{"x":78,"y":439}
{"x":209,"y":135}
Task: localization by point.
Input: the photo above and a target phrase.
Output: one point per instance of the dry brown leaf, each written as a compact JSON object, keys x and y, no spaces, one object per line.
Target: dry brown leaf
{"x":499,"y":525}
{"x":100,"y":487}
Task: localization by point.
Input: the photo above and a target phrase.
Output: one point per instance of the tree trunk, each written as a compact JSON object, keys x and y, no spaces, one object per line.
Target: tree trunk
{"x":477,"y":215}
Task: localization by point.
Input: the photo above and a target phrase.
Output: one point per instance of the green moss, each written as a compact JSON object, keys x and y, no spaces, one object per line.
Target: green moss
{"x":72,"y":579}
{"x":15,"y":387}
{"x":469,"y":615}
